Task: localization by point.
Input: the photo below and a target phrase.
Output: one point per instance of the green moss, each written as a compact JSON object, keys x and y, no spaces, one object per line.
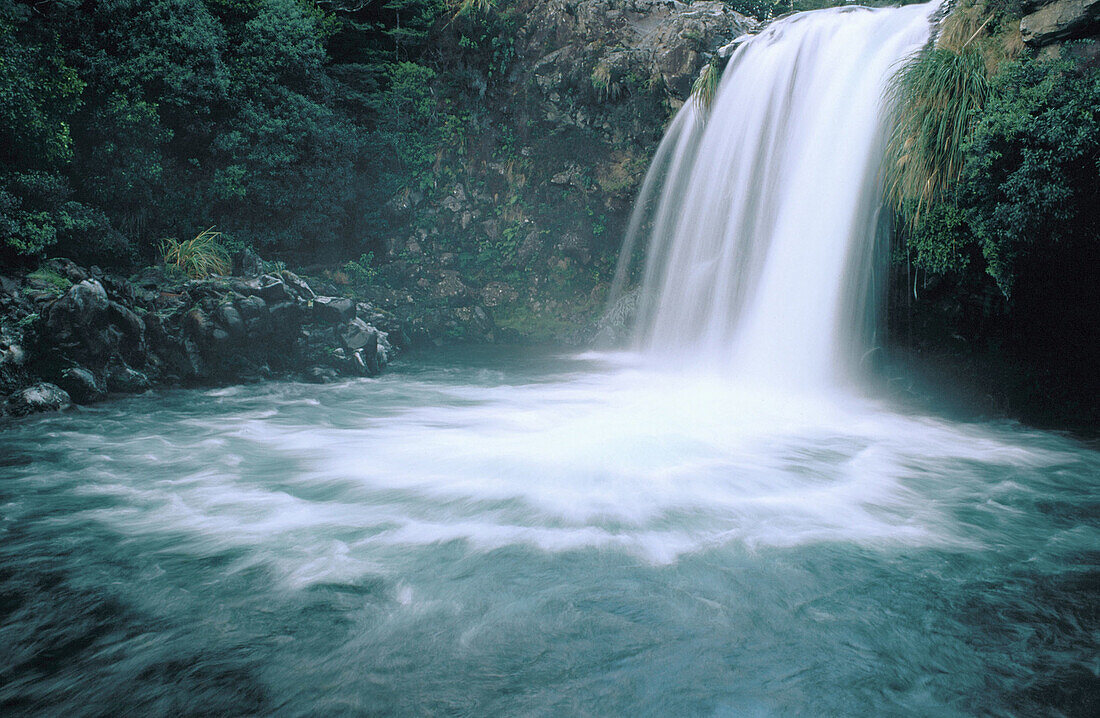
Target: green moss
{"x":27,"y":321}
{"x":531,"y":325}
{"x":58,"y":284}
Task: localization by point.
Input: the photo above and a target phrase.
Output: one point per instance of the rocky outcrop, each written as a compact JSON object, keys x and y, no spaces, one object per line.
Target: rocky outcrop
{"x":585,"y":53}
{"x":69,"y":334}
{"x":527,"y":217}
{"x":1060,"y":20}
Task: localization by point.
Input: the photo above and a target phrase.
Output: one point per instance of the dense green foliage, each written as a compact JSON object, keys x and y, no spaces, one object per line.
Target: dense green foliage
{"x":1027,"y":183}
{"x":285,"y":123}
{"x":1007,"y":244}
{"x":1031,"y":184}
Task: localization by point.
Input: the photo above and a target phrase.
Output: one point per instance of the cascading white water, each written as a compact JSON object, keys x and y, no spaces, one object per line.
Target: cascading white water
{"x":758,"y":218}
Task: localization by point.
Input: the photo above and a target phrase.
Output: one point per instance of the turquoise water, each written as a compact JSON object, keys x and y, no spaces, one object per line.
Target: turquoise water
{"x":542,"y":536}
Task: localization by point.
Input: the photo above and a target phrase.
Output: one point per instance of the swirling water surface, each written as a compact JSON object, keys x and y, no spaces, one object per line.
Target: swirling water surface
{"x":542,"y":536}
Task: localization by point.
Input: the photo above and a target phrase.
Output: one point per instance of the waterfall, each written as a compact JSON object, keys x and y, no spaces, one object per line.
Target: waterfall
{"x":758,"y":218}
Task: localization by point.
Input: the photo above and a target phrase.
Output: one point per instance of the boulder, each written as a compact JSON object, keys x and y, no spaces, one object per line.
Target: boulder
{"x":256,"y":316}
{"x":496,"y":293}
{"x":450,"y":287}
{"x":273,"y":290}
{"x":38,"y":398}
{"x":320,"y":375}
{"x":81,"y":385}
{"x":248,"y":264}
{"x":1060,"y":20}
{"x":357,"y":334}
{"x":286,"y":317}
{"x":130,"y":335}
{"x":68,"y":269}
{"x":84,"y":306}
{"x":297,"y":285}
{"x":196,"y":324}
{"x":230,"y":320}
{"x":121,"y":378}
{"x":333,"y":310}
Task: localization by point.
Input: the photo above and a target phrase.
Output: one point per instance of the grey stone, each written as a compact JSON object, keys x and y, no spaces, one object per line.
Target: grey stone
{"x":230,"y":318}
{"x":297,"y":285}
{"x":1060,"y":20}
{"x":249,"y":264}
{"x":286,"y":317}
{"x":123,"y":379}
{"x":132,"y":326}
{"x":81,"y":385}
{"x":83,"y":306}
{"x":273,"y":290}
{"x":320,"y":375}
{"x":333,"y":310}
{"x":357,"y":334}
{"x":252,"y":308}
{"x":38,"y":398}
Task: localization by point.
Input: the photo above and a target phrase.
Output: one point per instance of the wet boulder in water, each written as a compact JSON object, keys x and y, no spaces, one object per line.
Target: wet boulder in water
{"x":38,"y":398}
{"x":320,"y":375}
{"x":123,"y":379}
{"x":81,"y":385}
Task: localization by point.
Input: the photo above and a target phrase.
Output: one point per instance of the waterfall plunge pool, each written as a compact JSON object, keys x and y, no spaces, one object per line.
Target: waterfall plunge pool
{"x":485,"y":535}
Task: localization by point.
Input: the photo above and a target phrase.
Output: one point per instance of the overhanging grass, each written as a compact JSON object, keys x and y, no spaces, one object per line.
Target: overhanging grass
{"x":935,"y":97}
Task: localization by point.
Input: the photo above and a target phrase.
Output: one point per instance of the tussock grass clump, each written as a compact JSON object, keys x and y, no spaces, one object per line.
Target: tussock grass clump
{"x":935,"y":97}
{"x":705,"y":87}
{"x":199,"y":257}
{"x":474,"y":7}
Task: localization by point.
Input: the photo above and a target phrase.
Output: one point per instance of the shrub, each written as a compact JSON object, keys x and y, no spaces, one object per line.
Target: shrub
{"x":1031,"y":185}
{"x":361,"y":272}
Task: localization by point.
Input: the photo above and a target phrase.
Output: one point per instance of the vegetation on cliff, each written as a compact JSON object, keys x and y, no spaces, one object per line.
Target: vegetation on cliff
{"x":994,"y":167}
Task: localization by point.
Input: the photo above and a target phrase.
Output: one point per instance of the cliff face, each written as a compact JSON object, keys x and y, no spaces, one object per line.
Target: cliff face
{"x":528,"y":204}
{"x":518,"y":222}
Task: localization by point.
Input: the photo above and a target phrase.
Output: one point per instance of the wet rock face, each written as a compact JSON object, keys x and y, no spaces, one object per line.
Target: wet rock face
{"x":565,"y":134}
{"x":583,"y":54}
